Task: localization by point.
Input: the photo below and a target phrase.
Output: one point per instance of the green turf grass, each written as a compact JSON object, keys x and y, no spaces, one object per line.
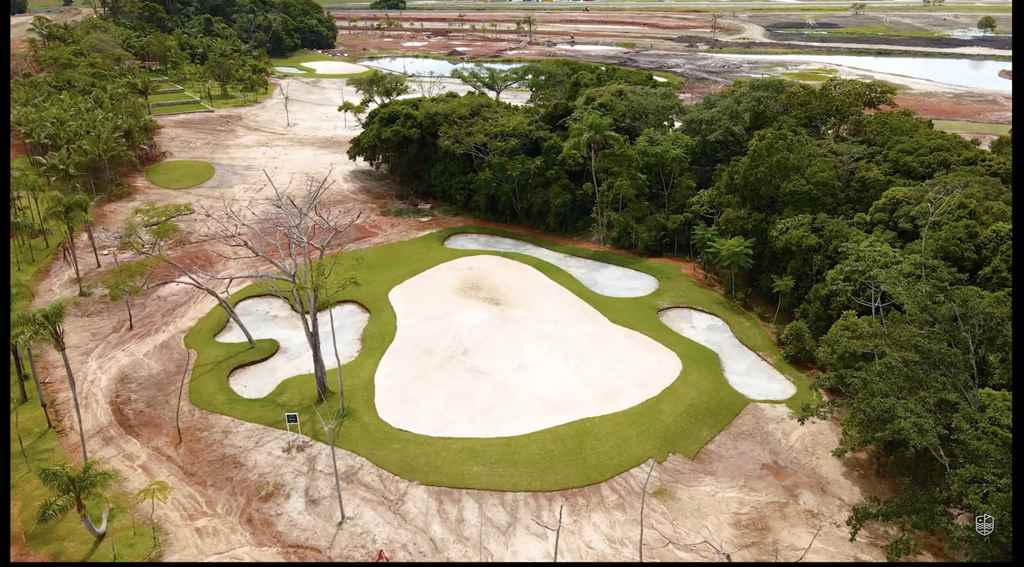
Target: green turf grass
{"x":964,"y":127}
{"x":681,"y":419}
{"x":179,"y":174}
{"x":302,"y":56}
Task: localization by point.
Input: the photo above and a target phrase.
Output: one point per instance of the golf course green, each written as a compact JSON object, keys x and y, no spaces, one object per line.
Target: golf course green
{"x":681,"y":419}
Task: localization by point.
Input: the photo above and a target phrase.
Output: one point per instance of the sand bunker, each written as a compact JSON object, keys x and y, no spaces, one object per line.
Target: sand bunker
{"x":334,"y":67}
{"x":491,"y":347}
{"x":745,"y":371}
{"x":288,"y":70}
{"x":606,"y":279}
{"x":273,"y":318}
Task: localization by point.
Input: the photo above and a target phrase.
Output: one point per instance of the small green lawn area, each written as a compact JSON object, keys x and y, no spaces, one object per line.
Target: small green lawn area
{"x":302,"y":56}
{"x":179,"y":174}
{"x":179,"y":108}
{"x":681,"y":419}
{"x":963,"y":127}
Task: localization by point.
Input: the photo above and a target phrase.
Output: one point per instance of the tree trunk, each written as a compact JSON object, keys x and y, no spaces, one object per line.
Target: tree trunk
{"x":42,"y":224}
{"x":777,"y":308}
{"x":643,"y":501}
{"x":17,"y":431}
{"x":20,"y":373}
{"x":92,"y":242}
{"x":78,"y":410}
{"x":39,"y":387}
{"x":74,"y":259}
{"x":97,"y":531}
{"x":234,"y":316}
{"x":337,"y":482}
{"x":128,"y":304}
{"x":181,"y":389}
{"x":337,"y":360}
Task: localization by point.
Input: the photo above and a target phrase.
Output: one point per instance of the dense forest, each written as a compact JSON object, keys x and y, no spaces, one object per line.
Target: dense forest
{"x":886,"y":241}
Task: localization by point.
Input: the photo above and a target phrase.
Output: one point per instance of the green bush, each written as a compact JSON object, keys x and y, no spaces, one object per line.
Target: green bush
{"x":797,"y":343}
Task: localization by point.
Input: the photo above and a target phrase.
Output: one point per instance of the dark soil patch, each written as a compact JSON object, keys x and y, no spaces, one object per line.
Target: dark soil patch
{"x":993,"y":42}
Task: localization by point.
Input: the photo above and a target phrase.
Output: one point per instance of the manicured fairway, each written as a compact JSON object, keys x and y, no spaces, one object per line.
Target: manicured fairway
{"x":681,"y":419}
{"x":179,"y":174}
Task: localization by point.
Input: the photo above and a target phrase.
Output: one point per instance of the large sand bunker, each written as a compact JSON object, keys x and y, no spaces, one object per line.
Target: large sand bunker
{"x":606,"y":279}
{"x":491,"y":347}
{"x":745,"y":371}
{"x":273,"y":318}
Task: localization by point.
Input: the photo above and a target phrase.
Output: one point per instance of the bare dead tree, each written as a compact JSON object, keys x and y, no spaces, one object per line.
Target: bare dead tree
{"x":181,"y":389}
{"x":284,"y":95}
{"x":557,"y":530}
{"x":331,"y":426}
{"x":808,"y":548}
{"x":643,"y":502}
{"x":292,"y":236}
{"x":154,"y":237}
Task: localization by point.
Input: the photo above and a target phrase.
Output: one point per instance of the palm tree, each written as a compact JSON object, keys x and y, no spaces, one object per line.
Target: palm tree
{"x":781,"y":286}
{"x":70,"y":210}
{"x":156,"y":490}
{"x":73,"y":488}
{"x":590,"y":134}
{"x":733,"y":254}
{"x":51,"y":320}
{"x":144,"y":87}
{"x":25,"y":329}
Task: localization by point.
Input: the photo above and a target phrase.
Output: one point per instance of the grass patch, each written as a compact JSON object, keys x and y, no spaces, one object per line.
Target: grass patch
{"x":179,"y":174}
{"x":681,"y":419}
{"x":964,"y":127}
{"x":179,"y":108}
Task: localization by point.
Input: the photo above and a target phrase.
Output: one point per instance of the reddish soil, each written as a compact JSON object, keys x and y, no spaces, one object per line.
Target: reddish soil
{"x":950,"y":106}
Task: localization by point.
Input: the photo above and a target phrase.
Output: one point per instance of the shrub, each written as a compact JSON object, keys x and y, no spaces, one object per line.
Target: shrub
{"x":797,"y":343}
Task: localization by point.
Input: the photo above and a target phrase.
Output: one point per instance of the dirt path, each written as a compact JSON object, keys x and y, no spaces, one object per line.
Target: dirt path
{"x":758,"y":491}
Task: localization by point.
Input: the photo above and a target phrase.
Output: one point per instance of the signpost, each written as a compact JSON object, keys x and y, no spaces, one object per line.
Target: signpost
{"x":292,"y":419}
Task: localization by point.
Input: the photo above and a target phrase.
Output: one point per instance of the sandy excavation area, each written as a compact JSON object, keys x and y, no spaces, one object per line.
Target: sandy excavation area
{"x":499,"y":349}
{"x":274,"y":318}
{"x":746,"y":372}
{"x":758,"y":491}
{"x":601,"y":277}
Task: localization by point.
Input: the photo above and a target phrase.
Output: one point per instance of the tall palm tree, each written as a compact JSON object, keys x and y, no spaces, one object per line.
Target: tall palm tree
{"x":591,"y":133}
{"x":733,"y":254}
{"x":70,"y":210}
{"x":51,"y":320}
{"x":781,"y":286}
{"x":155,"y":491}
{"x":24,"y":330}
{"x":73,"y":488}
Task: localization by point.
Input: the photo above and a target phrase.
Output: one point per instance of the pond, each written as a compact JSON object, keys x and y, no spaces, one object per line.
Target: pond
{"x":967,"y":73}
{"x":425,"y":67}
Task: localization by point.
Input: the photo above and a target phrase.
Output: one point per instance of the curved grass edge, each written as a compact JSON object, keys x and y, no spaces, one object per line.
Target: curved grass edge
{"x":192,"y":173}
{"x":681,"y":419}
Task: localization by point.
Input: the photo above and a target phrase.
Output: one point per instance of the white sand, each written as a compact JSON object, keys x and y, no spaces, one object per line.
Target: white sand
{"x":334,"y":67}
{"x":659,"y":79}
{"x":606,"y":279}
{"x":273,"y":318}
{"x":413,"y":43}
{"x":288,"y":70}
{"x":745,"y":371}
{"x":491,"y":347}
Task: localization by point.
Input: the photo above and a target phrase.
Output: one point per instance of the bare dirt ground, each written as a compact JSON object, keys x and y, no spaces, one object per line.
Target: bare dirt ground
{"x":762,"y":490}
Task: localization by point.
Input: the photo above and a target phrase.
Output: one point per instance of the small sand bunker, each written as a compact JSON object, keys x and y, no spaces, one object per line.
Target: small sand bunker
{"x":288,"y":70}
{"x":491,"y":347}
{"x":273,"y":318}
{"x":745,"y":371}
{"x":606,"y":279}
{"x":334,"y":67}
